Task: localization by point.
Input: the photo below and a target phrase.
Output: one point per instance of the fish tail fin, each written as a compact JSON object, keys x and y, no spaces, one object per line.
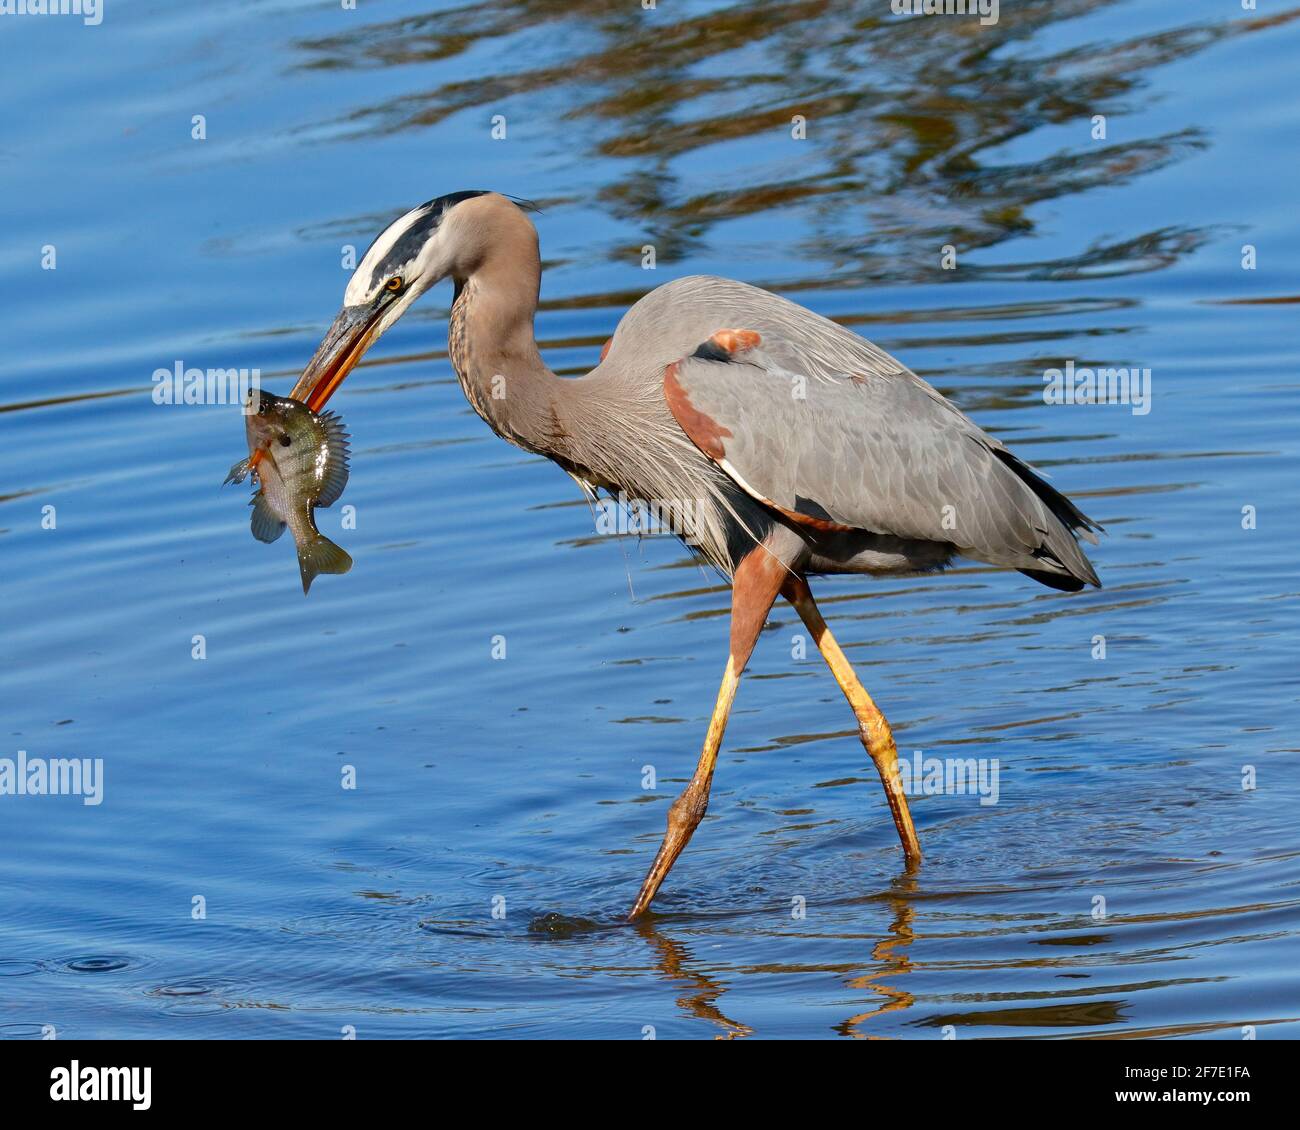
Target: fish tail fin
{"x":320,"y":555}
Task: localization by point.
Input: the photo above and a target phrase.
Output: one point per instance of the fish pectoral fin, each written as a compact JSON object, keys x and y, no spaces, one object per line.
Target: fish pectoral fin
{"x":266,"y":524}
{"x":239,"y":472}
{"x":320,"y":555}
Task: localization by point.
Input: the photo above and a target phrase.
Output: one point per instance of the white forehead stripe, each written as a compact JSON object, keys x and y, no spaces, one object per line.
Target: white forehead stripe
{"x":361,"y":286}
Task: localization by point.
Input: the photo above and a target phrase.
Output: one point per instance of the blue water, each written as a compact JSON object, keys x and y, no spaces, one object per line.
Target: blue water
{"x":229,"y":886}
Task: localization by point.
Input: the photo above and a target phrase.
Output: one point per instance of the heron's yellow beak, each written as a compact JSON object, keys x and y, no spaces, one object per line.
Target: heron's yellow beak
{"x":344,"y":343}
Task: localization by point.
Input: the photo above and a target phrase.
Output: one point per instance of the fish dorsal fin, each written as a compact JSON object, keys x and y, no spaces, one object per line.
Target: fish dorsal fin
{"x":267,"y":526}
{"x":335,"y":475}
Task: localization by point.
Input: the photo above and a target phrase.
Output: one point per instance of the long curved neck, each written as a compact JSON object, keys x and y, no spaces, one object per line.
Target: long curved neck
{"x":492,"y":348}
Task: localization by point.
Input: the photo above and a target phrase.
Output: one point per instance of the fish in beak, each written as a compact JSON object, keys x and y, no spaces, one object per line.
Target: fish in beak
{"x":345,"y":341}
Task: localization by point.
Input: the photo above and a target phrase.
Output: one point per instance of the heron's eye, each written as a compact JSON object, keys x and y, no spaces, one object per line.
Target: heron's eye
{"x":394,"y":284}
{"x":285,"y":441}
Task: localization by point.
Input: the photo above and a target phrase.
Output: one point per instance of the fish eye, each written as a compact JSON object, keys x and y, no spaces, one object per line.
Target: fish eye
{"x":394,"y":285}
{"x":285,"y":441}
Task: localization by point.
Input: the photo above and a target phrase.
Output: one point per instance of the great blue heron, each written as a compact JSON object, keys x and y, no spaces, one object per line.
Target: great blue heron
{"x":775,"y":442}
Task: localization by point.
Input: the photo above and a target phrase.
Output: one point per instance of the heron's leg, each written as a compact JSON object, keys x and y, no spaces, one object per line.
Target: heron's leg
{"x":755,"y":587}
{"x":876,"y":734}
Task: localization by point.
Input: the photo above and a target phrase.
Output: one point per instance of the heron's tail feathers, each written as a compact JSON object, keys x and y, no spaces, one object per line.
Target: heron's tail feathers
{"x":1064,"y":565}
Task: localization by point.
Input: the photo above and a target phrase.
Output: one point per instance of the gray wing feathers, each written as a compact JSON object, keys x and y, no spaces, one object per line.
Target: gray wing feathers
{"x":837,"y":430}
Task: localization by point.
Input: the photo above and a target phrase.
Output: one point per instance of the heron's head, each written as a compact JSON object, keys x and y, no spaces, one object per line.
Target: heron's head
{"x":447,"y":237}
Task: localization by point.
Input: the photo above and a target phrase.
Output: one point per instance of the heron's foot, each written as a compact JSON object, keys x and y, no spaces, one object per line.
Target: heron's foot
{"x":683,"y":818}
